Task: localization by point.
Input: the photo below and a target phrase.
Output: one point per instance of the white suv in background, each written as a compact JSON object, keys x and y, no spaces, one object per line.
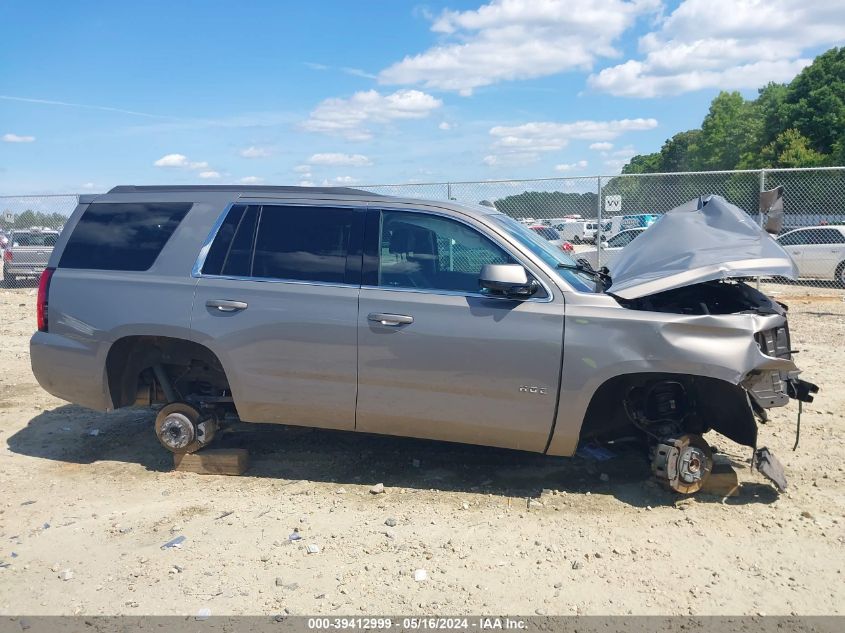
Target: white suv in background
{"x":818,"y":251}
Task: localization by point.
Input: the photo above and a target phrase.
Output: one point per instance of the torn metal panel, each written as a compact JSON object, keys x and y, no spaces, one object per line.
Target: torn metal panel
{"x":699,"y":241}
{"x":769,"y":467}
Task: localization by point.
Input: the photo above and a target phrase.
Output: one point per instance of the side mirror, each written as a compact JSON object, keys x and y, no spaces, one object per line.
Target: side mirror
{"x":510,"y":280}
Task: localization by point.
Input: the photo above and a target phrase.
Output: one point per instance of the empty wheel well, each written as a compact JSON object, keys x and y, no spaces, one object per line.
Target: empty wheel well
{"x":706,"y":403}
{"x":191,"y":368}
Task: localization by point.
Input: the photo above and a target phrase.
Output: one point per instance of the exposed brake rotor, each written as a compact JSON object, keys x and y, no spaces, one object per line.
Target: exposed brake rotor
{"x":683,"y":463}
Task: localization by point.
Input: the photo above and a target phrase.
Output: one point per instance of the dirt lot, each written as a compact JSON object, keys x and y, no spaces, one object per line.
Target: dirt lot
{"x":91,"y":498}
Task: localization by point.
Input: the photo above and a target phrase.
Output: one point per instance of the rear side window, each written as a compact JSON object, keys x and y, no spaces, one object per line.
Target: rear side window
{"x":831,"y":236}
{"x":122,"y":236}
{"x":302,"y":243}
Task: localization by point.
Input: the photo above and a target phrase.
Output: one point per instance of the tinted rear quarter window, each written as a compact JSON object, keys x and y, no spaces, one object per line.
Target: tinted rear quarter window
{"x":231,"y":252}
{"x":122,"y":236}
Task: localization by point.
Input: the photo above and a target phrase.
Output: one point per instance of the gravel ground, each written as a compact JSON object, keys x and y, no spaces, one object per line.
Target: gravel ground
{"x":88,"y":499}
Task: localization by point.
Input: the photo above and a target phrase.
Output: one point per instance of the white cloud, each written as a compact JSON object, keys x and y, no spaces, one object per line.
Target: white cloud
{"x":625,"y":152}
{"x":444,"y":125}
{"x":351,"y":118}
{"x":510,"y":159}
{"x":306,"y":183}
{"x":179,"y":161}
{"x":581,"y":164}
{"x":89,"y":186}
{"x":521,"y":144}
{"x":209,"y":175}
{"x":335,"y":159}
{"x":302,"y":169}
{"x":255,"y":152}
{"x":615,"y":165}
{"x":725,"y":44}
{"x":602,"y":146}
{"x":357,"y":72}
{"x":16,"y":138}
{"x":251,"y":180}
{"x":518,"y":39}
{"x":345,"y":180}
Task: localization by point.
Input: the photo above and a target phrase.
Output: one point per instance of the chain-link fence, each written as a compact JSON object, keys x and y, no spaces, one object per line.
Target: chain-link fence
{"x":594,"y":216}
{"x":597,"y":216}
{"x":29,"y":227}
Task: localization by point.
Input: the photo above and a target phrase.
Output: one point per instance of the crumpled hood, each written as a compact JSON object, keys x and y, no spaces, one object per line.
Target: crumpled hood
{"x":704,"y":239}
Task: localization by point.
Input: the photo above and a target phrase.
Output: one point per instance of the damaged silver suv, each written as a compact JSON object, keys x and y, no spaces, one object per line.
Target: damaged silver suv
{"x":343,"y":309}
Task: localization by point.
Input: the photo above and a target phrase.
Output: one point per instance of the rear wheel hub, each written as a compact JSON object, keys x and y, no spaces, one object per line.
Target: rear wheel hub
{"x":177,"y":431}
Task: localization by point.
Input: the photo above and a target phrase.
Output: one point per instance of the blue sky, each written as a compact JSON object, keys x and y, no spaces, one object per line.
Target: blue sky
{"x":94,"y":94}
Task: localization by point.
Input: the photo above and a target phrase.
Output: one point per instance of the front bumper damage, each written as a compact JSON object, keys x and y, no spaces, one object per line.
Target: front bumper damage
{"x":774,"y":388}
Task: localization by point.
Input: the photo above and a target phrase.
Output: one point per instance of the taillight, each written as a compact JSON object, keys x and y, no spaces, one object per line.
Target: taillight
{"x":43,"y":291}
{"x":7,"y":255}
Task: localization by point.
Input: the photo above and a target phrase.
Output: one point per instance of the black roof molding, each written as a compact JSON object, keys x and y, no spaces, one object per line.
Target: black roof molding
{"x":257,"y":189}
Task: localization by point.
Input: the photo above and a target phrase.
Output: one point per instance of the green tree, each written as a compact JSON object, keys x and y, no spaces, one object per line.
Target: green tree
{"x":797,"y":124}
{"x":792,"y":149}
{"x":815,"y":103}
{"x":732,"y":127}
{"x":26,"y":219}
{"x":771,"y":102}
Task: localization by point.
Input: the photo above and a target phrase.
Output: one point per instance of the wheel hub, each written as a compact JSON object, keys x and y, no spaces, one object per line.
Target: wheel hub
{"x":691,"y":464}
{"x":682,"y":463}
{"x":177,"y":431}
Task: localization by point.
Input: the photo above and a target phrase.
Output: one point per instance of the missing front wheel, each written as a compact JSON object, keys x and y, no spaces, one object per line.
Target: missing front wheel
{"x":683,"y":463}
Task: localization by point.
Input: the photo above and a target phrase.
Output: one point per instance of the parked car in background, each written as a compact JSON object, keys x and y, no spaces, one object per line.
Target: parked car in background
{"x":619,"y":223}
{"x":609,"y":249}
{"x":27,"y":253}
{"x":818,"y":251}
{"x":552,"y":235}
{"x":579,"y":231}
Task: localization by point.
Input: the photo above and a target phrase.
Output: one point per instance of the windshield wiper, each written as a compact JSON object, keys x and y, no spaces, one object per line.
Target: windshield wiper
{"x":598,"y":275}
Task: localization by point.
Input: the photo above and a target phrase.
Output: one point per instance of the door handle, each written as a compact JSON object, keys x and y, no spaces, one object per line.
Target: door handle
{"x":390,"y":319}
{"x":225,"y":305}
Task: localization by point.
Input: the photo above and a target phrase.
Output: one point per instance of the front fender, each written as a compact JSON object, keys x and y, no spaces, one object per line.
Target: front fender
{"x":603,"y":340}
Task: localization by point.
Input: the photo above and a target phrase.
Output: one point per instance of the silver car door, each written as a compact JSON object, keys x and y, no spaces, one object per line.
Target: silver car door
{"x":438,"y":359}
{"x":277,"y":301}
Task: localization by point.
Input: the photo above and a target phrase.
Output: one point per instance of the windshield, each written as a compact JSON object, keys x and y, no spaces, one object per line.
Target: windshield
{"x":546,"y":251}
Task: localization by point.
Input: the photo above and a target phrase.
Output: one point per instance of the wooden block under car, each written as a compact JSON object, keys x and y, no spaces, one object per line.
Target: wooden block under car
{"x":213,"y":461}
{"x":723,"y":480}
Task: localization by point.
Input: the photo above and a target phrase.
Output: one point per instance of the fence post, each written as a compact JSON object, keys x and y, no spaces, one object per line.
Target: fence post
{"x":448,"y":190}
{"x":598,"y":222}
